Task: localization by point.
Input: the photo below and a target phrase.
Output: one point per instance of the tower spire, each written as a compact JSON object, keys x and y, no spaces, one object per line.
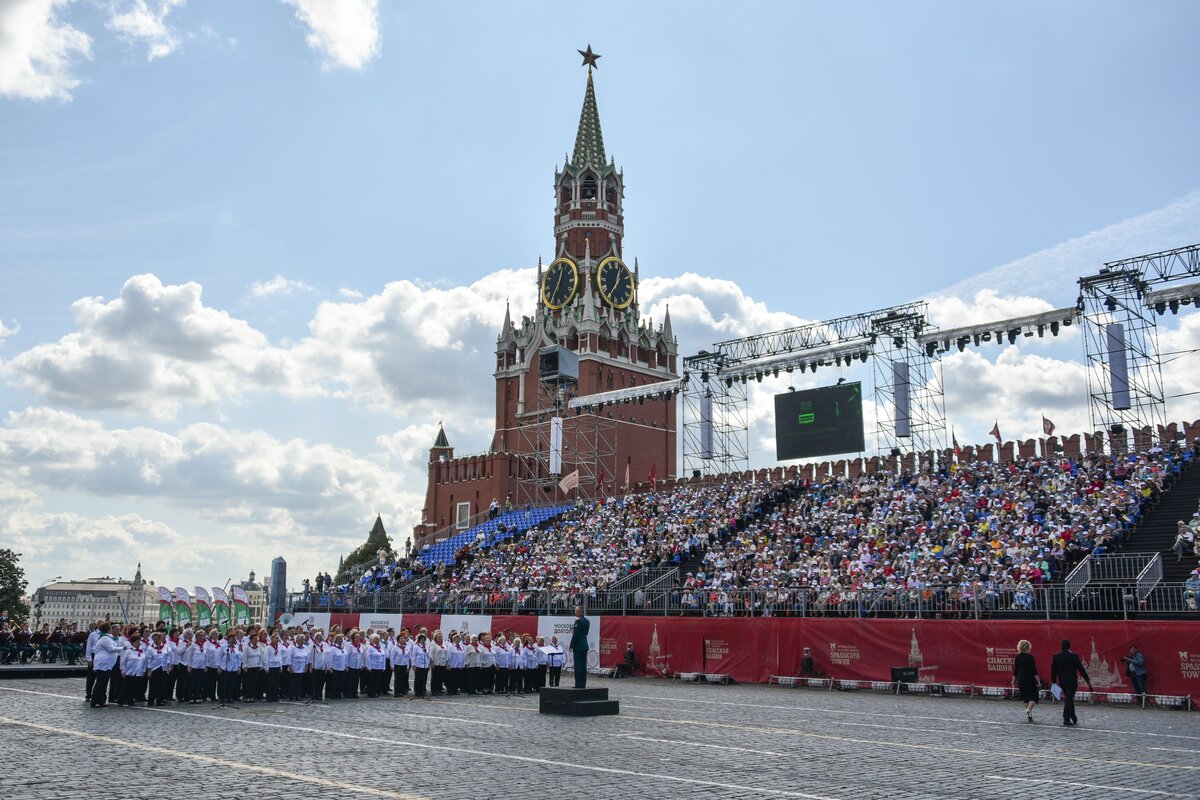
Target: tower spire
{"x":589,"y":140}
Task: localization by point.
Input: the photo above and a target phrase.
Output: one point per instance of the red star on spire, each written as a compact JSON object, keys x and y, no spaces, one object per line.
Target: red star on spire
{"x":589,"y":58}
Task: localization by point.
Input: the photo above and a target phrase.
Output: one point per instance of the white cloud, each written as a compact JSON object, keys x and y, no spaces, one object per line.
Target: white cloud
{"x":1053,"y":272}
{"x":948,"y":311}
{"x":37,"y":50}
{"x":151,"y":350}
{"x":416,"y":351}
{"x":350,"y":294}
{"x":346,"y":32}
{"x":252,"y":492}
{"x":145,"y":21}
{"x":6,"y":331}
{"x":278,"y":285}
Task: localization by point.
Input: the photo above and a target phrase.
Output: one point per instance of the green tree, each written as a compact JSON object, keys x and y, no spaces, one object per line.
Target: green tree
{"x":364,"y":553}
{"x":12,"y":586}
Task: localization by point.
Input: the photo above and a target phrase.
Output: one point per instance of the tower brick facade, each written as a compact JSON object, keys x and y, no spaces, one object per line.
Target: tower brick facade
{"x":587,"y":303}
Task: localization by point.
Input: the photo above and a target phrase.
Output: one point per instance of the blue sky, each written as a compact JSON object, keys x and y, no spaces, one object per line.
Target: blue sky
{"x":783,"y":162}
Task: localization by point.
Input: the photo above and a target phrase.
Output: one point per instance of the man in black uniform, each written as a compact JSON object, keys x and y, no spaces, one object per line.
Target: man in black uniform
{"x":1065,"y":669}
{"x":579,"y":647}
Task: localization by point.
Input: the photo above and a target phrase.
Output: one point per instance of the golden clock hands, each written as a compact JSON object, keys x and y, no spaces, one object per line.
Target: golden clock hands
{"x":562,"y":273}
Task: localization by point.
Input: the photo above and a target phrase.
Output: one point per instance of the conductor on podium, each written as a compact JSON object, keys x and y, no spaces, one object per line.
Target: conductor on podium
{"x":579,"y":647}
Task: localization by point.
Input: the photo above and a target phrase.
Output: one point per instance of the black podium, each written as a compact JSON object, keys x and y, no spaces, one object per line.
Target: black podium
{"x":576,"y":702}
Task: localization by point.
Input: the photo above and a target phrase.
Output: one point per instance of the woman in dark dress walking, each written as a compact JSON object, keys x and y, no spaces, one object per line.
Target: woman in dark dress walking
{"x":1026,"y":674}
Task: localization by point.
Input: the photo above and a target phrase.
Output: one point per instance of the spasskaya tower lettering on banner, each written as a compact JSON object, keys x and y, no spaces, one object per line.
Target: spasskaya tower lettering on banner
{"x":584,"y":336}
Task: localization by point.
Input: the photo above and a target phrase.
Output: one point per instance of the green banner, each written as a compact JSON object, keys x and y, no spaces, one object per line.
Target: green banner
{"x":241,"y":607}
{"x":183,"y":607}
{"x":203,"y":608}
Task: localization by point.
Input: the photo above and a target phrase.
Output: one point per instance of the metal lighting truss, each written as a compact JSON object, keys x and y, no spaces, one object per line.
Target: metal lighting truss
{"x":1011,"y":327}
{"x":714,"y":383}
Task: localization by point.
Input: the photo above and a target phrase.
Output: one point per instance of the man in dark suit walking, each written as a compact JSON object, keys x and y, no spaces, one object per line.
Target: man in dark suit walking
{"x":579,"y":647}
{"x":1065,"y":669}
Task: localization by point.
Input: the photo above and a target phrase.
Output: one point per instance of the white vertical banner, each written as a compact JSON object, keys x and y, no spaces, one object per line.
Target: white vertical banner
{"x":706,"y":426}
{"x":561,"y":627}
{"x":901,"y":384}
{"x":556,"y":444}
{"x":1118,"y":367}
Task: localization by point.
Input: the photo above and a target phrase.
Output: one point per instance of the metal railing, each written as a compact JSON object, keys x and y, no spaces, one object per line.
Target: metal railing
{"x":663,"y":598}
{"x":1149,"y":577}
{"x":1119,"y":567}
{"x":1079,"y":577}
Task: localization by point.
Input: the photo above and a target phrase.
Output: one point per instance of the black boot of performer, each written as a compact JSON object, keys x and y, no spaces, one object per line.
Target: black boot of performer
{"x":439,"y":681}
{"x":100,"y":687}
{"x":158,"y":682}
{"x":195,"y":685}
{"x":114,"y":684}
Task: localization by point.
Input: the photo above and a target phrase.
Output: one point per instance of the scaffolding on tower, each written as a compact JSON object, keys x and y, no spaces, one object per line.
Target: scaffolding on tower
{"x":580,"y":443}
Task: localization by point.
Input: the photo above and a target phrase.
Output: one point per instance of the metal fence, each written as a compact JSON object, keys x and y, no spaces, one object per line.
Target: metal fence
{"x":1051,"y":601}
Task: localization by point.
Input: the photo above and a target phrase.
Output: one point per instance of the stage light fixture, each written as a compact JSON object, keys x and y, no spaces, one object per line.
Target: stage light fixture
{"x":1110,"y":303}
{"x":962,"y":343}
{"x":838,"y":360}
{"x":775,"y":372}
{"x":1000,"y":338}
{"x":930,"y":348}
{"x":987,"y":336}
{"x":758,"y":377}
{"x":704,"y":377}
{"x":976,"y":338}
{"x":1174,"y":306}
{"x":1013,"y":333}
{"x":863,"y":356}
{"x":1160,"y":308}
{"x":1041,"y":331}
{"x":1028,"y":332}
{"x":728,"y":383}
{"x":1054,"y":329}
{"x":789,"y":369}
{"x":1067,"y":322}
{"x":898,"y":342}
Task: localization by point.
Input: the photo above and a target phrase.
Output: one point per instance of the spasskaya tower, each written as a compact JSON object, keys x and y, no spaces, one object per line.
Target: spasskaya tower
{"x":585,"y":336}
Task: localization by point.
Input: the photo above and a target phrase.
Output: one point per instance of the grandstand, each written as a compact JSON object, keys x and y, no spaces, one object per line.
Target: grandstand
{"x":1043,"y":536}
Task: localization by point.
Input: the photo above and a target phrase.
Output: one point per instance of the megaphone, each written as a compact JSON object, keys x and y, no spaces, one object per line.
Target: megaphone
{"x":287,"y":620}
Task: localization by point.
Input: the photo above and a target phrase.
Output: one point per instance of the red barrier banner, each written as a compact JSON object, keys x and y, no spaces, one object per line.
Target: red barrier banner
{"x":961,"y":652}
{"x":969,"y":652}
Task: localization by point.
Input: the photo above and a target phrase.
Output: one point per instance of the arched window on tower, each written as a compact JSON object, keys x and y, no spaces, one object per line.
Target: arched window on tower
{"x":587,"y":187}
{"x":564,"y":194}
{"x":610,"y":192}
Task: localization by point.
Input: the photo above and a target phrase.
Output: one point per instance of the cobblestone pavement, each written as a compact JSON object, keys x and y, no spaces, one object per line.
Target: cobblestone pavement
{"x":669,"y":741}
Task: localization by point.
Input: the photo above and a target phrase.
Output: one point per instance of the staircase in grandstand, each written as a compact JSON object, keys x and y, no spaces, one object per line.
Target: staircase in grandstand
{"x":1156,"y":533}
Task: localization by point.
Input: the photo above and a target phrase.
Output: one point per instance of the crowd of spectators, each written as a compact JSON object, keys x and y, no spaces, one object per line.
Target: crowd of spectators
{"x":981,"y":532}
{"x":951,"y":538}
{"x":590,"y":548}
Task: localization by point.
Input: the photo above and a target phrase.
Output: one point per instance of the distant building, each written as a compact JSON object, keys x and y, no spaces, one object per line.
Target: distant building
{"x":259,"y":598}
{"x":85,"y":601}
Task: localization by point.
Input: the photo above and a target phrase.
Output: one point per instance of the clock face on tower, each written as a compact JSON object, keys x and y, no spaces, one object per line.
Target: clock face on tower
{"x":615,"y":282}
{"x":559,"y":283}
